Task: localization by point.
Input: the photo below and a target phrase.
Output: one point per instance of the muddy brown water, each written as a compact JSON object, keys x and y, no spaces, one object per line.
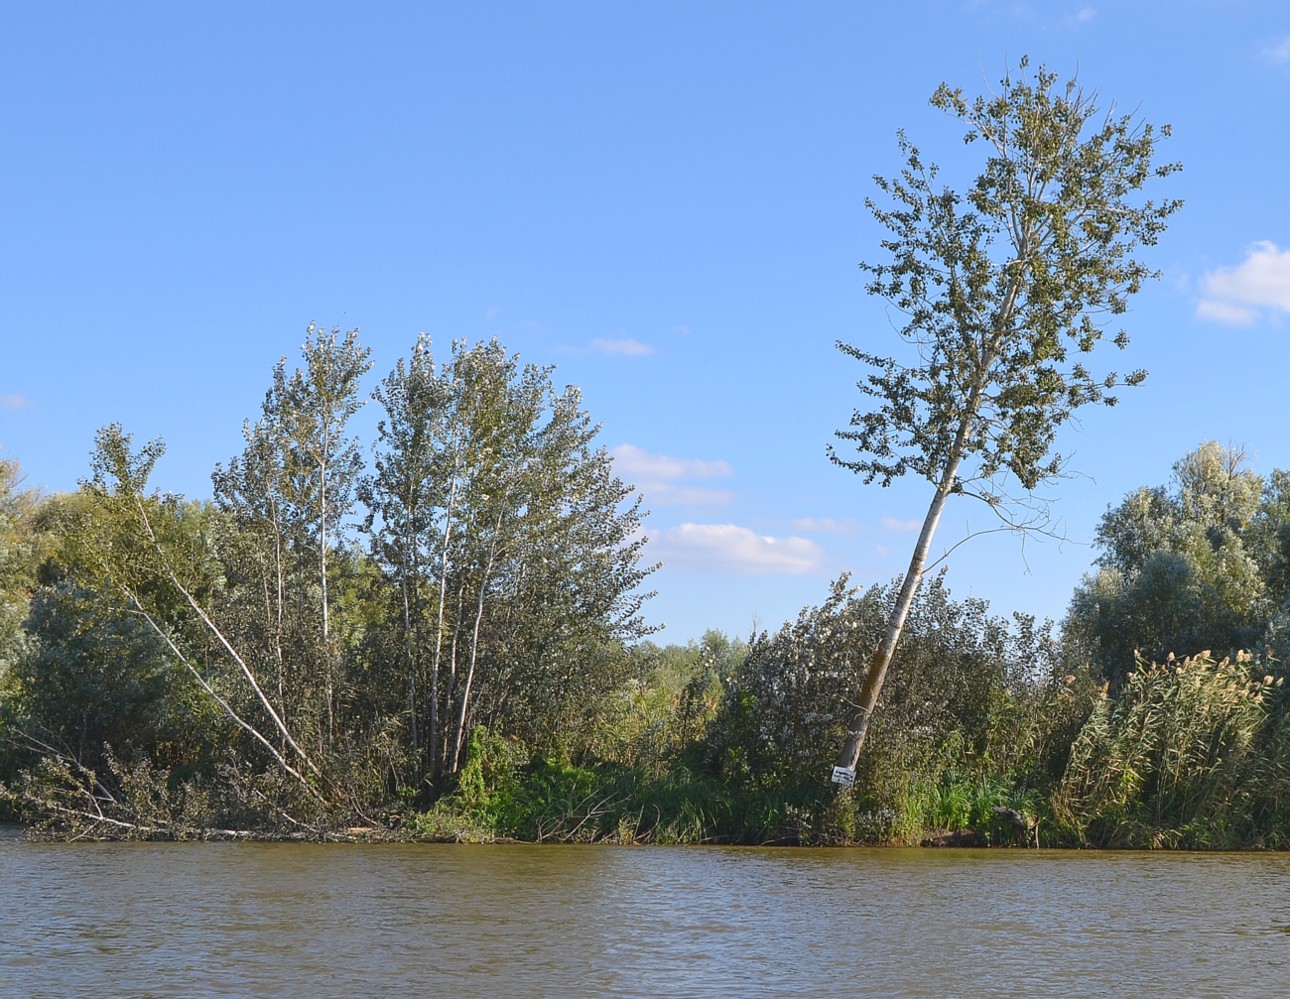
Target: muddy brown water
{"x":348,"y":920}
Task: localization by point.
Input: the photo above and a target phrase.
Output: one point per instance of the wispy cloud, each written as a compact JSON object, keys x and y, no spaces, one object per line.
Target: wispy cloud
{"x":825,"y":525}
{"x":1047,"y":15}
{"x":621,"y":347}
{"x":898,"y":526}
{"x":14,"y":401}
{"x":731,"y":548}
{"x":636,"y":461}
{"x":664,"y":479}
{"x":1278,"y":51}
{"x":1259,"y":285}
{"x":1227,"y":313}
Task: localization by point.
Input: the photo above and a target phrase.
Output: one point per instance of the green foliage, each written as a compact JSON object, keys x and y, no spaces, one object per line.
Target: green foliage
{"x":509,"y":549}
{"x":663,"y":711}
{"x":1004,"y":283}
{"x":161,"y":657}
{"x":22,"y":544}
{"x":288,"y":499}
{"x":1003,"y":287}
{"x":1177,"y":759}
{"x":93,"y":673}
{"x":960,"y":672}
{"x":1191,"y":567}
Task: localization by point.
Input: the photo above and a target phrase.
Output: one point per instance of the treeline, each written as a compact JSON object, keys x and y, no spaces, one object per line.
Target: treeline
{"x":310,"y":649}
{"x":990,"y":730}
{"x":437,"y":634}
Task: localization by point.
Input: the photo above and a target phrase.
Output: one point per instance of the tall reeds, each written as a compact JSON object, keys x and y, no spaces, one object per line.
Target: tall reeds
{"x":1177,"y":760}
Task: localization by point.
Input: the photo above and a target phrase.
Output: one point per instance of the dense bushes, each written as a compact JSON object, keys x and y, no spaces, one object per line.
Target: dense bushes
{"x":725,"y":742}
{"x":986,"y":734}
{"x":127,"y":713}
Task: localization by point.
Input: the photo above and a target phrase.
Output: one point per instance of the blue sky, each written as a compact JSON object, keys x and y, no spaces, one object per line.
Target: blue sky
{"x":665,"y":200}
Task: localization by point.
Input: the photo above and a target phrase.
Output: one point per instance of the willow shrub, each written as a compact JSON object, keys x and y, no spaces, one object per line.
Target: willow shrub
{"x":1188,"y":755}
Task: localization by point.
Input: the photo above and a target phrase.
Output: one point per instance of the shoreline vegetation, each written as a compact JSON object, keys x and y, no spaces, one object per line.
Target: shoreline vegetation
{"x":1191,"y":754}
{"x":467,"y":663}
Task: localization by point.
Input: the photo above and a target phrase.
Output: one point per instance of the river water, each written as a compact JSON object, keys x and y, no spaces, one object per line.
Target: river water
{"x":237,"y":919}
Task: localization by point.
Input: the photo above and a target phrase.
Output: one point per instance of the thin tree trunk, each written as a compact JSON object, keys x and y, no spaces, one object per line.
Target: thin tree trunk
{"x":328,"y":679}
{"x":881,"y":661}
{"x":474,"y":649}
{"x":436,"y":764}
{"x":858,"y":727}
{"x":280,"y":611}
{"x":450,"y":697}
{"x":224,"y":705}
{"x":220,"y":637}
{"x":409,"y":659}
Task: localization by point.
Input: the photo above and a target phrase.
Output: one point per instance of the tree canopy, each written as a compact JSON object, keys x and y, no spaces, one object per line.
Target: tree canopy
{"x":1004,"y":289}
{"x":1194,"y":566}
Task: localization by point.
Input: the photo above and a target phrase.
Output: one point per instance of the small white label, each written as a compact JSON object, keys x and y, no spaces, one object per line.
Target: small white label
{"x":844,"y":776}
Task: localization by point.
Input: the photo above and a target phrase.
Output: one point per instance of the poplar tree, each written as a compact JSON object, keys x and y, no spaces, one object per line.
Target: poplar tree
{"x":1004,"y":290}
{"x":511,"y":549}
{"x":291,"y":490}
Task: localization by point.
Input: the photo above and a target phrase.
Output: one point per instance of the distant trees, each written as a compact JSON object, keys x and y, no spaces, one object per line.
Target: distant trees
{"x":1002,"y":290}
{"x":1199,"y":565}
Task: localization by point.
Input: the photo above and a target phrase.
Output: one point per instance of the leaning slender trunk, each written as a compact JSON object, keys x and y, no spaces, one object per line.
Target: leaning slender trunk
{"x":279,"y":619}
{"x":881,"y":661}
{"x":169,"y":571}
{"x":858,"y":727}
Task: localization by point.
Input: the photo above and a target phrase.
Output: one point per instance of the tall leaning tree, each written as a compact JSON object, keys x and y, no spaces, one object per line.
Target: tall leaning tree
{"x":1004,"y":290}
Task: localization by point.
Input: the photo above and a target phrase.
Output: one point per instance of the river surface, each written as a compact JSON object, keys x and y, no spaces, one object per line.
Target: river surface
{"x":237,"y":919}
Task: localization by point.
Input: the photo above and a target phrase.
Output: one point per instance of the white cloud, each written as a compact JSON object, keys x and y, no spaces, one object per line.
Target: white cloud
{"x":622,"y":347}
{"x":1085,"y":14}
{"x":731,"y":548}
{"x":632,"y":460}
{"x":1277,"y":52}
{"x":901,"y":526}
{"x":1235,"y":295}
{"x":14,"y":400}
{"x":662,"y":478}
{"x":825,"y":525}
{"x":669,"y":494}
{"x":1227,"y":313}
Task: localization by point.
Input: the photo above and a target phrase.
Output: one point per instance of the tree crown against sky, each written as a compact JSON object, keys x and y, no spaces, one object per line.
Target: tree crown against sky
{"x":1003,"y":289}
